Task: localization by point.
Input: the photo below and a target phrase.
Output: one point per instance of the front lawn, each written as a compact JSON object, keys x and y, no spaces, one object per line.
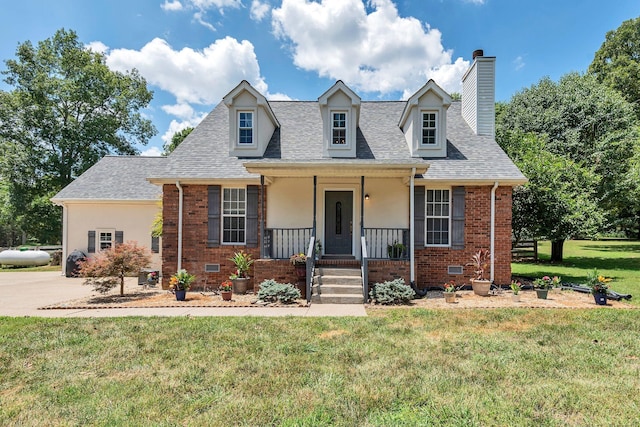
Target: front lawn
{"x":396,"y":367}
{"x":618,"y":259}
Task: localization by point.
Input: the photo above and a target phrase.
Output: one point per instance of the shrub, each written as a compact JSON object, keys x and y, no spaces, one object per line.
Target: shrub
{"x":393,"y":292}
{"x":109,"y":267}
{"x":272,"y":291}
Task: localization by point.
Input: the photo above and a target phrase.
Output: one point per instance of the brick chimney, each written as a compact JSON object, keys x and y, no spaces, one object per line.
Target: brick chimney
{"x":479,"y":94}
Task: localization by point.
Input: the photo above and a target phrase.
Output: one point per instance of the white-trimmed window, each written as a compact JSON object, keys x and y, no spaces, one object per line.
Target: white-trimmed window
{"x":339,"y":128}
{"x":245,"y":127}
{"x":106,"y":239}
{"x":438,"y":217}
{"x":429,"y":127}
{"x":234,"y":204}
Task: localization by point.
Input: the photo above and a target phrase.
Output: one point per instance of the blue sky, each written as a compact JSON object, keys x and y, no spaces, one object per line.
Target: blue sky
{"x":192,"y":52}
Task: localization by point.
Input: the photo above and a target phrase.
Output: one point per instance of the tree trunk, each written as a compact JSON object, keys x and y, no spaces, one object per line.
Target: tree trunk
{"x":122,"y":285}
{"x":556,"y":250}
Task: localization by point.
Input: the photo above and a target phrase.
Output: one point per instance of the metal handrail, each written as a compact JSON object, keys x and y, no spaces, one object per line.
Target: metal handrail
{"x":311,"y":263}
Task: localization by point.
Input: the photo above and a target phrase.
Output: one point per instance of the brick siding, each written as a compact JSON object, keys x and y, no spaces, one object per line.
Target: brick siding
{"x":431,"y":262}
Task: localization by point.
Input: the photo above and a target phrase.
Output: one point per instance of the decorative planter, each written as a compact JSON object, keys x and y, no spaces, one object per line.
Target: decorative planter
{"x":240,"y":285}
{"x":180,"y":294}
{"x":302,"y":287}
{"x":226,"y":295}
{"x":600,"y":298}
{"x":556,"y":290}
{"x":481,"y":287}
{"x":301,"y":271}
{"x":515,"y":298}
{"x":450,"y":297}
{"x":542,"y":293}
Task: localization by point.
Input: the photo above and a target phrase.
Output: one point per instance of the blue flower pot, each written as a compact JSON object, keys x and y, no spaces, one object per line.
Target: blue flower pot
{"x":180,"y":294}
{"x":601,"y":298}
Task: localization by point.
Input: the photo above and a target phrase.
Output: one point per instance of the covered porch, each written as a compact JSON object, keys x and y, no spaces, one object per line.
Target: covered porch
{"x":347,"y":214}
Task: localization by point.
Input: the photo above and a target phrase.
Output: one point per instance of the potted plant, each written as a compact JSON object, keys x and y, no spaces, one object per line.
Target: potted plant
{"x":480,"y":262}
{"x":395,"y":250}
{"x":152,"y":279}
{"x":450,"y":291}
{"x":240,"y":278}
{"x":599,"y":286}
{"x":180,"y":283}
{"x":225,"y":289}
{"x":556,"y":284}
{"x":516,"y":287}
{"x":542,"y":286}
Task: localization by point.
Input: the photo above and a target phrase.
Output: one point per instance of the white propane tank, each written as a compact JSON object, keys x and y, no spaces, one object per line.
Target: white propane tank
{"x":24,"y":258}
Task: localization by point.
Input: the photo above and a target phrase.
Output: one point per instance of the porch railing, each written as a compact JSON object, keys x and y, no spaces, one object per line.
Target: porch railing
{"x":281,"y":243}
{"x":387,"y":243}
{"x":311,"y":265}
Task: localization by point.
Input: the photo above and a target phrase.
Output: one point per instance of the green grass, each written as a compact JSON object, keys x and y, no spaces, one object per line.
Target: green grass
{"x":396,"y":367}
{"x":25,"y":269}
{"x":618,"y":259}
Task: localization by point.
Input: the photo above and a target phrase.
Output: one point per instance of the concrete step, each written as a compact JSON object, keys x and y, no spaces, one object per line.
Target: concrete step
{"x":335,"y":271}
{"x":338,"y":280}
{"x":338,"y":299}
{"x":332,"y":289}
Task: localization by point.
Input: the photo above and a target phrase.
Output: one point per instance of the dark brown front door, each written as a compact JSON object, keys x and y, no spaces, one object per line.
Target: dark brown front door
{"x":338,"y":214}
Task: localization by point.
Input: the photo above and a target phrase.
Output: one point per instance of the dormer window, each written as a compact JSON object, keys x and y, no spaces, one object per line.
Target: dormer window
{"x":429,"y":127}
{"x":339,"y":128}
{"x":245,"y":127}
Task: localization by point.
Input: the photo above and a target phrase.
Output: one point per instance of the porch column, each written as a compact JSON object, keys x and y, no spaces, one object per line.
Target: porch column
{"x":263,"y":251}
{"x":315,"y":184}
{"x":362,"y":206}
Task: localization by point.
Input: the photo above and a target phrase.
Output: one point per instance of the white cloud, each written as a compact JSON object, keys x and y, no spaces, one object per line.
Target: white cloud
{"x":183,"y":111}
{"x":151,"y":151}
{"x":518,"y":63}
{"x":198,"y":17}
{"x":193,"y":76}
{"x":259,"y":10}
{"x":374,"y":52}
{"x":480,"y":2}
{"x":177,"y":126}
{"x":97,"y":47}
{"x":171,"y":6}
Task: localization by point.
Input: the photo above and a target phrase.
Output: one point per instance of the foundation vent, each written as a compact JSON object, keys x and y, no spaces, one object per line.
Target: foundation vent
{"x":455,"y":269}
{"x":212,"y":268}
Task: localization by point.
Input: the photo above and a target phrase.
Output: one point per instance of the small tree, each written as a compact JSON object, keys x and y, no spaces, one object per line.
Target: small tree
{"x":110,"y":267}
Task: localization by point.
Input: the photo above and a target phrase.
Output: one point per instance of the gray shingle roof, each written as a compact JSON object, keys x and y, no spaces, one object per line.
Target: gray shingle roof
{"x":204,"y":154}
{"x":115,"y":178}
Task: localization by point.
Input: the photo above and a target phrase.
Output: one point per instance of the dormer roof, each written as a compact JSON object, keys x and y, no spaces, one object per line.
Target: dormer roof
{"x":260,"y":99}
{"x":414,"y":100}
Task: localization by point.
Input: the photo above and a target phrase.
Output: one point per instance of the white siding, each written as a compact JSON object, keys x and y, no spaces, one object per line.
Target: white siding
{"x":478,"y":96}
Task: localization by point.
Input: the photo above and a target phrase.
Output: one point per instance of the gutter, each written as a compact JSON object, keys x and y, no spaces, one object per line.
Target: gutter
{"x":493,"y":228}
{"x":180,"y":207}
{"x":412,"y":231}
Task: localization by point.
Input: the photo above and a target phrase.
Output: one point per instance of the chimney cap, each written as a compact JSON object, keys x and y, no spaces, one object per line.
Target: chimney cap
{"x":477,"y":52}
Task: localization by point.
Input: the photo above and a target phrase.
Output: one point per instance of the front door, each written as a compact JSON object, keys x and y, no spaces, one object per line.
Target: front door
{"x":338,"y":227}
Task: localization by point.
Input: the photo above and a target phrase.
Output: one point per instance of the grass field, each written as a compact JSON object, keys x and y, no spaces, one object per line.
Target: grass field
{"x":618,"y":259}
{"x":397,"y":367}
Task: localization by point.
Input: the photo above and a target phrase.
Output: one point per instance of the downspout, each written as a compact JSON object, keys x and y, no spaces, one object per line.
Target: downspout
{"x":180,"y":205}
{"x":493,"y":228}
{"x":412,"y":232}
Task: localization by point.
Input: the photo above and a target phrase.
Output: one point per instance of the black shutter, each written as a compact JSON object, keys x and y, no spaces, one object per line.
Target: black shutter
{"x":155,"y":244}
{"x":418,"y":216}
{"x":119,"y":237}
{"x":252,"y":216}
{"x":213,"y":222}
{"x":457,"y":218}
{"x":91,"y":245}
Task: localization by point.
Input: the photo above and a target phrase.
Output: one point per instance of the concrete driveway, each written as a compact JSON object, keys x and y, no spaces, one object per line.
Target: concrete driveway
{"x":22,"y":293}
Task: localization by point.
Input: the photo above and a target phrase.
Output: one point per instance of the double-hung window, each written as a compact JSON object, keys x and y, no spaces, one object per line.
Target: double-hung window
{"x":245,"y":127}
{"x":438,"y":215}
{"x":339,"y":128}
{"x":429,"y":128}
{"x":234,"y":203}
{"x":106,"y":239}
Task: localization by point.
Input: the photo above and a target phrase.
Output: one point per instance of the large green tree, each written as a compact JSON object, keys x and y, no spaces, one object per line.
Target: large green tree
{"x":617,"y":62}
{"x":584,"y":122}
{"x":66,"y":110}
{"x":176,"y":140}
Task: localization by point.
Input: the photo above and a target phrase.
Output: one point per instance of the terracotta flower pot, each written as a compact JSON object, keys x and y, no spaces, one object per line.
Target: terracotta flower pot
{"x":226,"y":295}
{"x":481,"y":287}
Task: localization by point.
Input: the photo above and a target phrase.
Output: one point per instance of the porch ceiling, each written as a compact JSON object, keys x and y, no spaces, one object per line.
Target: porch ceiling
{"x":335,"y":168}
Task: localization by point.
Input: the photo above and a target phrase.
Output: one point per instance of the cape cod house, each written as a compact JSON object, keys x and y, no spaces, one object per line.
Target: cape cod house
{"x":344,"y":181}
